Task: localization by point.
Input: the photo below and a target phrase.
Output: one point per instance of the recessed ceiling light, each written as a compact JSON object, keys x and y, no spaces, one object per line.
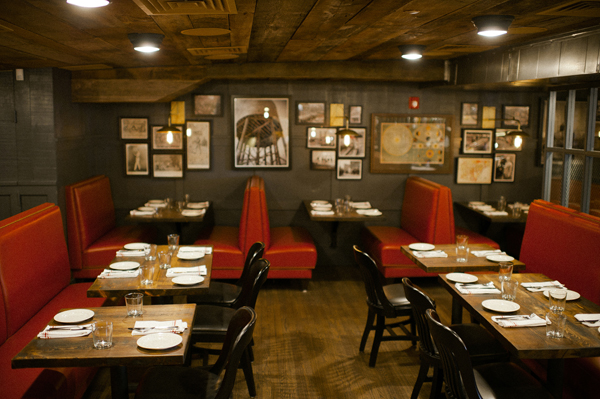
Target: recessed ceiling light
{"x":411,"y":51}
{"x":89,"y":3}
{"x":492,"y":25}
{"x":206,"y":32}
{"x":412,"y":12}
{"x":146,"y":42}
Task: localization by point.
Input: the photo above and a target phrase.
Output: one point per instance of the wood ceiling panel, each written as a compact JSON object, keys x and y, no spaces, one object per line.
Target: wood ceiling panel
{"x":242,"y":22}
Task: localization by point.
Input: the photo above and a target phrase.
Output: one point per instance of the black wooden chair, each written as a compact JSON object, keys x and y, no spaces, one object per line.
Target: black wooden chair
{"x":190,"y":382}
{"x":211,"y":321}
{"x":492,"y":380}
{"x":225,"y":294}
{"x":384,"y":301}
{"x":483,"y":347}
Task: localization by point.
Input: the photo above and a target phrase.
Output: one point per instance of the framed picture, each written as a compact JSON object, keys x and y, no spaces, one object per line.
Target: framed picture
{"x":411,"y":144}
{"x":136,"y":159}
{"x":474,"y":171}
{"x":133,"y":128}
{"x":518,"y":112}
{"x":310,"y":113}
{"x":336,"y":114}
{"x":353,"y":146}
{"x":208,"y":105}
{"x":349,"y":169}
{"x":167,"y":165}
{"x":198,"y":144}
{"x":504,"y":167}
{"x":355,"y":114}
{"x":322,"y":160}
{"x":160,"y":141}
{"x":261,"y":132}
{"x":477,"y":141}
{"x":469,"y":114}
{"x":488,"y":118}
{"x":504,"y":143}
{"x":321,"y":137}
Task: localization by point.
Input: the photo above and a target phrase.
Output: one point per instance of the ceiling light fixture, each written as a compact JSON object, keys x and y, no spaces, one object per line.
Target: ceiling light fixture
{"x":146,"y":42}
{"x":412,"y":51}
{"x":518,"y":134}
{"x":492,"y":25}
{"x":346,"y":133}
{"x":89,"y":3}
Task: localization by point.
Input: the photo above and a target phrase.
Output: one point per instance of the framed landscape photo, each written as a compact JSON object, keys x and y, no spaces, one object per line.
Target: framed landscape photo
{"x":167,"y":165}
{"x":208,"y":105}
{"x":261,"y":132}
{"x":355,"y":114}
{"x":160,"y":141}
{"x":469,"y":114}
{"x":504,"y":167}
{"x":477,"y":141}
{"x":474,"y":170}
{"x":322,"y":160}
{"x":198,"y":145}
{"x":321,"y":137}
{"x":504,"y":142}
{"x":518,"y":112}
{"x":353,"y":146}
{"x":136,"y":159}
{"x":310,"y":113}
{"x":133,"y":128}
{"x":349,"y":169}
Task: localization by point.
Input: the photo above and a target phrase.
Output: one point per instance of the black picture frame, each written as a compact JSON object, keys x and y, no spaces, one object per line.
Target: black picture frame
{"x":356,"y":147}
{"x":322,"y":160}
{"x":160,"y":143}
{"x":355,"y":114}
{"x":518,"y":112}
{"x":504,"y":167}
{"x":505,"y":143}
{"x":198,"y":145}
{"x":208,"y":105}
{"x":321,"y":137}
{"x":310,"y":113}
{"x":469,"y":114}
{"x":168,"y":166}
{"x":137,"y":159}
{"x":477,"y":141}
{"x":133,"y":128}
{"x":349,"y":169}
{"x":472,"y":170}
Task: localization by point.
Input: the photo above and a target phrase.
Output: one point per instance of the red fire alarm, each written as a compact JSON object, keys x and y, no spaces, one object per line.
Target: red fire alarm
{"x":413,"y":102}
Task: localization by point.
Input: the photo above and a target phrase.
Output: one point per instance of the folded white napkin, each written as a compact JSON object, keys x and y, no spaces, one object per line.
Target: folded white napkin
{"x":369,"y":212}
{"x":542,"y":286}
{"x":360,"y":205}
{"x":483,"y":207}
{"x":197,"y":205}
{"x":109,"y":273}
{"x":65,"y":331}
{"x":516,"y":321}
{"x":589,"y":319}
{"x":135,"y":212}
{"x":322,"y":213}
{"x":127,"y":252}
{"x":430,"y":254}
{"x":483,"y":254}
{"x":321,"y":207}
{"x":154,"y":327}
{"x":193,"y":249}
{"x":496,"y":213}
{"x":476,"y":289}
{"x":193,"y":212}
{"x":181,"y":271}
{"x":156,"y":205}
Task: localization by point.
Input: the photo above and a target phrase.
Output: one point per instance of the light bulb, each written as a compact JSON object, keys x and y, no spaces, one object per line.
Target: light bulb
{"x":313,"y":132}
{"x":188,"y":132}
{"x":88,"y":3}
{"x":518,"y":141}
{"x":492,"y":32}
{"x":327,"y":139}
{"x":266,"y":113}
{"x":170,"y":137}
{"x":347,"y":140}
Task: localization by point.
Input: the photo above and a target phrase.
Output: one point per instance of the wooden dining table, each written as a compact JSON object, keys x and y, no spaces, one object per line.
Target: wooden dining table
{"x":80,"y":351}
{"x":483,"y":220}
{"x":531,"y":342}
{"x":162,"y":286}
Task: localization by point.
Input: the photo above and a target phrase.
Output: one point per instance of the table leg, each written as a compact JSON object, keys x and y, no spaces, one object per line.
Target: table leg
{"x":118,"y":382}
{"x":334,"y":230}
{"x":555,"y":377}
{"x":456,"y":311}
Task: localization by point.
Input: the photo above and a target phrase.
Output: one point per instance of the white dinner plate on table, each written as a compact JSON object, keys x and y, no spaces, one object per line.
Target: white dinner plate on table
{"x":500,"y":305}
{"x":320,"y":202}
{"x":146,"y":209}
{"x":136,"y":246}
{"x":190,"y":255}
{"x":499,"y":258}
{"x":369,"y":212}
{"x":476,"y":203}
{"x":421,"y":246}
{"x":571,"y":295}
{"x":197,"y":205}
{"x":188,"y":280}
{"x":461,"y":277}
{"x":157,"y":202}
{"x":124,"y":265}
{"x":74,"y":316}
{"x":159,"y":341}
{"x":193,"y":212}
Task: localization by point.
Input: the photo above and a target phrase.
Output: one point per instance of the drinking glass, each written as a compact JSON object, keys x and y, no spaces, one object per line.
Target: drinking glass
{"x":505,"y":270}
{"x":133,"y":302}
{"x":186,"y":198}
{"x":150,"y":252}
{"x":462,"y":251}
{"x":147,"y":273}
{"x":173,"y":240}
{"x":102,"y":334}
{"x":516,"y":210}
{"x":555,"y":325}
{"x":501,"y":203}
{"x":339,"y":206}
{"x":347,"y":206}
{"x":558,"y":300}
{"x":164,"y":260}
{"x":509,"y":289}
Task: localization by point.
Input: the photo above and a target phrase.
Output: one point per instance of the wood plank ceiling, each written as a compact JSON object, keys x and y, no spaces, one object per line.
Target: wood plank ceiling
{"x":268,"y":38}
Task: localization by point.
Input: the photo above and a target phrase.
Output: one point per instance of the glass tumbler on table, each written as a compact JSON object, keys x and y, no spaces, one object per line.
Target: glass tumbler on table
{"x":509,"y":289}
{"x":501,"y":204}
{"x":505,"y":270}
{"x":173,"y":240}
{"x":558,"y":300}
{"x":462,"y":251}
{"x":102,"y":332}
{"x":133,"y":303}
{"x":164,"y":260}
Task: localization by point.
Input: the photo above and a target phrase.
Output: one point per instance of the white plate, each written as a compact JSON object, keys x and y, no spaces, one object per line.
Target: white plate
{"x":420,"y":246}
{"x":124,"y":265}
{"x":159,"y":341}
{"x":500,"y":305}
{"x":192,"y":212}
{"x":136,"y":245}
{"x":157,"y":202}
{"x":196,"y":205}
{"x":476,"y":203}
{"x":188,"y":280}
{"x":461,"y":277}
{"x":369,"y":212}
{"x":571,"y":295}
{"x":190,"y":255}
{"x":146,"y":209}
{"x":74,"y":316}
{"x":500,"y":258}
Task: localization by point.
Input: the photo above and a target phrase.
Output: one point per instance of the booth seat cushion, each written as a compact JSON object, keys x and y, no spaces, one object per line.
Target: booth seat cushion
{"x":228,"y":259}
{"x":291,"y":247}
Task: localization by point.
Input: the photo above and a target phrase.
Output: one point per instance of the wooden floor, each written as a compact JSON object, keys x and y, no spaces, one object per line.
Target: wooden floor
{"x":306,"y":343}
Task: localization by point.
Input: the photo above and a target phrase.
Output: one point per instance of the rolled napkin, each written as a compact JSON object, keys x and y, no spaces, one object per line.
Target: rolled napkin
{"x":589,"y":319}
{"x":369,"y":212}
{"x":109,"y":273}
{"x":476,"y":289}
{"x":65,"y":331}
{"x":483,"y":254}
{"x":154,"y":327}
{"x":532,"y":320}
{"x":182,"y":271}
{"x":322,"y":213}
{"x":135,"y":212}
{"x":360,"y":205}
{"x":542,"y":286}
{"x":430,"y":254}
{"x":197,"y":205}
{"x":193,"y":212}
{"x":129,"y":252}
{"x":495,"y":213}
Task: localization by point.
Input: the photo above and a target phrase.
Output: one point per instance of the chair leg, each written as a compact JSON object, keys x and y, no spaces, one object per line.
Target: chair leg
{"x":368,"y":328}
{"x":436,"y":385}
{"x":421,"y":378}
{"x":248,"y":374}
{"x":377,"y":340}
{"x":413,"y":330}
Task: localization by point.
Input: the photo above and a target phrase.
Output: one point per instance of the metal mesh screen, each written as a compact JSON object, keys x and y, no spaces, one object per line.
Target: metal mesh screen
{"x":576,"y":182}
{"x":556,"y":182}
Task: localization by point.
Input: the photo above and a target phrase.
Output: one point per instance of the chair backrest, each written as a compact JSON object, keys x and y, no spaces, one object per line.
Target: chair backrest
{"x":238,"y":336}
{"x":420,"y":302}
{"x":372,"y":278}
{"x":254,"y":222}
{"x":456,"y":362}
{"x":251,"y":287}
{"x":255,"y":252}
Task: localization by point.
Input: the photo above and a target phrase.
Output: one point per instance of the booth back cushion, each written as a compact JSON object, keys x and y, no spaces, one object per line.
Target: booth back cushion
{"x":254,"y":223}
